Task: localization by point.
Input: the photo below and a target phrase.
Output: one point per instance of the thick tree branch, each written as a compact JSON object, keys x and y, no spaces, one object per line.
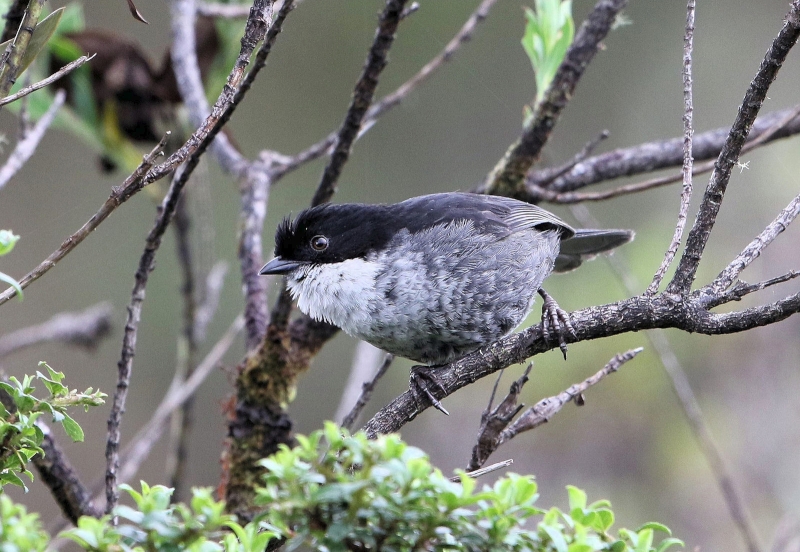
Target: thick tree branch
{"x":508,"y":177}
{"x":718,"y":183}
{"x":649,"y":157}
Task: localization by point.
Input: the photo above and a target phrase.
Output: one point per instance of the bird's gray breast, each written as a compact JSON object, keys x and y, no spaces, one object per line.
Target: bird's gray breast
{"x":443,"y":292}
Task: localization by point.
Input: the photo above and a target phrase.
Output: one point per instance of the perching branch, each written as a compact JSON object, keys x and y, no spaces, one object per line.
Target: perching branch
{"x":630,"y":315}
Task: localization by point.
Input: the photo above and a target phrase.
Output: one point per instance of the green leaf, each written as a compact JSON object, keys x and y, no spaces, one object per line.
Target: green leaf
{"x":7,"y":241}
{"x":8,"y":477}
{"x":72,"y":428}
{"x":577,"y":498}
{"x":655,"y":526}
{"x":645,"y":540}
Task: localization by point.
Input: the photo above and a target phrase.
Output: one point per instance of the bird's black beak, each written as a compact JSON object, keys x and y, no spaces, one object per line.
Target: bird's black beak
{"x":279,"y":266}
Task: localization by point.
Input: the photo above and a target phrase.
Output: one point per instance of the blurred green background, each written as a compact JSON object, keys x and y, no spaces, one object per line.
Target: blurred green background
{"x":630,"y":443}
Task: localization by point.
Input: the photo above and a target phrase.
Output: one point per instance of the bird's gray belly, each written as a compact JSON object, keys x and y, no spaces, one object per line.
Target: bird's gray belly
{"x":436,"y":304}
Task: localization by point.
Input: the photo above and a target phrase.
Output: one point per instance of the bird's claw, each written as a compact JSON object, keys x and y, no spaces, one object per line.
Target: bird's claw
{"x":555,"y":323}
{"x":421,"y":378}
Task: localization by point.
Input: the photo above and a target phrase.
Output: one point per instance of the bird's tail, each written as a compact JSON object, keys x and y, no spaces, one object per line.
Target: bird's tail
{"x":585,"y":244}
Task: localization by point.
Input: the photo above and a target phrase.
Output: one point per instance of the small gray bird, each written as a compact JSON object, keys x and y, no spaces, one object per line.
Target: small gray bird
{"x":434,"y":277}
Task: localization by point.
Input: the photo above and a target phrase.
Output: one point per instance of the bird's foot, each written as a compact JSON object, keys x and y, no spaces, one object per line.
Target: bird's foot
{"x":555,"y":323}
{"x":421,"y":380}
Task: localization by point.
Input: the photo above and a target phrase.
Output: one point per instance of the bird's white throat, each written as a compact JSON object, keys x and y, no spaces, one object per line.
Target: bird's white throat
{"x":338,"y":293}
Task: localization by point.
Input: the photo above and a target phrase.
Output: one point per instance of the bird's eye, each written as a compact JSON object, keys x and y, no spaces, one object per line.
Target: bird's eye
{"x":319,"y":243}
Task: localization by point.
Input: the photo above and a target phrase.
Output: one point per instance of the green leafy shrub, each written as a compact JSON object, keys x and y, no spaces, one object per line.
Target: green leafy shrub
{"x":21,"y":438}
{"x":337,"y":492}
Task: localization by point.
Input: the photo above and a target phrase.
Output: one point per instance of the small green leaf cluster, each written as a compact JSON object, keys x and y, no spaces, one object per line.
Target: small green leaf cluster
{"x":155,"y":524}
{"x":7,"y":241}
{"x":21,"y":438}
{"x":19,"y":530}
{"x":548,"y":34}
{"x":337,"y":492}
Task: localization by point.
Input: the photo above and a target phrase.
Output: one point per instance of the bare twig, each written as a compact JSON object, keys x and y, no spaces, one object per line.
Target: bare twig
{"x":494,"y":421}
{"x":67,"y":69}
{"x":252,"y":212}
{"x":213,"y":289}
{"x":27,"y":145}
{"x":542,"y":411}
{"x":83,"y":329}
{"x":362,"y":99}
{"x":499,"y":426}
{"x":688,"y":133}
{"x":548,"y":175}
{"x":718,"y":183}
{"x":367,"y":388}
{"x":125,"y":365}
{"x":508,"y":177}
{"x":750,"y":253}
{"x":742,"y":288}
{"x":705,"y":439}
{"x":182,"y":418}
